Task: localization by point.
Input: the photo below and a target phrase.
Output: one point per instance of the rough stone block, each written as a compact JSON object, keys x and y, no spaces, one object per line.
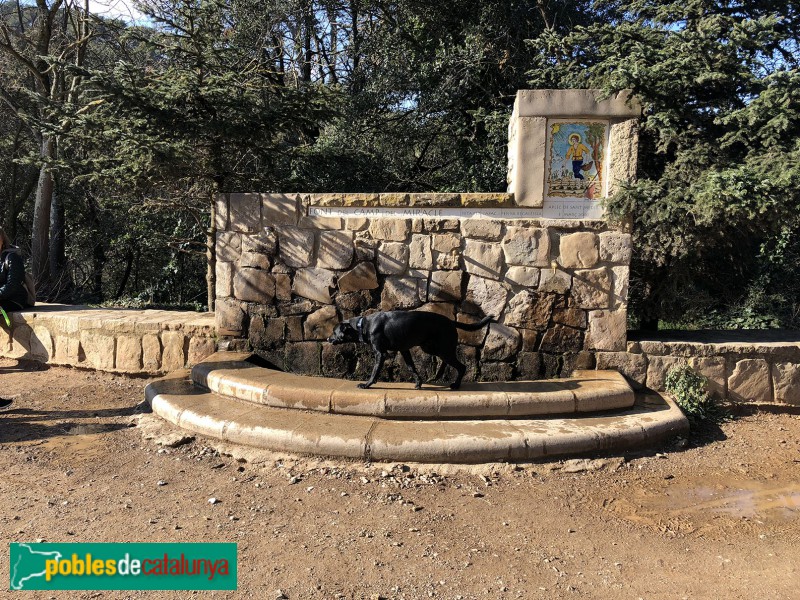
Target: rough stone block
{"x":320,"y":323}
{"x":712,"y":368}
{"x":283,"y":287}
{"x":266,"y":333}
{"x":786,"y":381}
{"x":616,"y":247}
{"x":254,"y":285}
{"x":41,"y":347}
{"x":263,"y":242}
{"x":420,"y":252}
{"x":592,"y":288}
{"x":526,"y":247}
{"x":560,"y":338}
{"x":446,"y":250}
{"x":557,"y":282}
{"x":445,"y":286}
{"x":434,"y":199}
{"x":245,"y":212}
{"x":400,"y":293}
{"x":67,"y":350}
{"x":129,"y":353}
{"x":608,"y":330}
{"x":320,"y":223}
{"x":530,"y":310}
{"x":579,"y":250}
{"x":750,"y":381}
{"x":502,"y":342}
{"x":151,"y":353}
{"x":224,"y":279}
{"x":279,"y":209}
{"x":175,"y":346}
{"x":229,"y":316}
{"x":339,"y":360}
{"x":365,"y":249}
{"x":360,"y":277}
{"x":393,"y":199}
{"x":445,"y":309}
{"x":657,"y":369}
{"x":392,"y":230}
{"x":99,"y":349}
{"x":253,"y":260}
{"x":572,"y":317}
{"x":633,"y":366}
{"x":304,"y":357}
{"x":471,"y":338}
{"x":527,"y":156}
{"x":296,"y":246}
{"x":199,"y":349}
{"x":485,"y":296}
{"x":619,"y":280}
{"x":624,"y":149}
{"x":497,"y":371}
{"x":392,"y":258}
{"x":483,"y":259}
{"x":483,"y":229}
{"x":335,"y":249}
{"x":523,"y":276}
{"x":314,"y":284}
{"x":229,"y":246}
{"x":353,"y":303}
{"x":221,"y":212}
{"x":529,"y":365}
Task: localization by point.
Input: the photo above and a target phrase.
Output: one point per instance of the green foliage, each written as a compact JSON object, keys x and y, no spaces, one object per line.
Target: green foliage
{"x":719,"y":158}
{"x":689,"y":391}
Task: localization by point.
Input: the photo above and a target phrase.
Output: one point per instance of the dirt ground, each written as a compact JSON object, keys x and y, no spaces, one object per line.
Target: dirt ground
{"x":715,"y":516}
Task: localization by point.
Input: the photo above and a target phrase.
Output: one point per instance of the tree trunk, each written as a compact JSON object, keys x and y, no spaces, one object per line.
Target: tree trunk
{"x":58,"y":252}
{"x":211,"y":256}
{"x":40,"y":235}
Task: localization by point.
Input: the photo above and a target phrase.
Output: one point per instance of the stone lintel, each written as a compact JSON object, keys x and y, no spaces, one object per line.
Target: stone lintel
{"x":575,"y":103}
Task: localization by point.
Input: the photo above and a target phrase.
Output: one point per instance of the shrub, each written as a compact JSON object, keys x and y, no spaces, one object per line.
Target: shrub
{"x":689,"y":391}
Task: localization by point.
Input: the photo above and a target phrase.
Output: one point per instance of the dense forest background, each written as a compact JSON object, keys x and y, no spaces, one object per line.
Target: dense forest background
{"x":114,"y":136}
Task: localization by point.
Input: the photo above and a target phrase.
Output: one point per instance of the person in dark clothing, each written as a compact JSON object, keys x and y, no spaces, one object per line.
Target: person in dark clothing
{"x":13,"y":294}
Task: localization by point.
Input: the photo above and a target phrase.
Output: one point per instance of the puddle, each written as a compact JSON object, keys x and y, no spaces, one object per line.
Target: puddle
{"x":751,"y":500}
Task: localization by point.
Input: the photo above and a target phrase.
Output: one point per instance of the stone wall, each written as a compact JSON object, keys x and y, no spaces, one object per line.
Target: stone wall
{"x":284,"y":279}
{"x":114,"y":340}
{"x":759,"y":367}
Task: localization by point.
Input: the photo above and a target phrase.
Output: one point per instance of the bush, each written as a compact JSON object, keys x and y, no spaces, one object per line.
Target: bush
{"x":689,"y":391}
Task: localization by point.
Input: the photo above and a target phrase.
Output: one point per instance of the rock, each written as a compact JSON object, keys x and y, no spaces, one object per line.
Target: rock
{"x":254,"y":260}
{"x":440,"y":308}
{"x":484,"y":229}
{"x":496,"y":371}
{"x":619,"y":279}
{"x":487,"y":295}
{"x":283,"y":287}
{"x":750,"y":381}
{"x":558,"y":282}
{"x":608,"y":330}
{"x":713,"y":369}
{"x":263,"y":242}
{"x":560,"y":339}
{"x":365,"y":250}
{"x":224,"y":279}
{"x":400,"y":293}
{"x":786,"y":378}
{"x":213,"y":500}
{"x":483,"y":258}
{"x":530,"y":310}
{"x":320,"y":324}
{"x":335,"y":250}
{"x":529,"y":365}
{"x":392,"y":258}
{"x":254,"y":285}
{"x":657,"y":369}
{"x":579,"y":250}
{"x":420,"y":252}
{"x":314,"y":284}
{"x":501,"y":342}
{"x":360,"y":277}
{"x":523,"y":276}
{"x":304,"y":357}
{"x":526,"y":246}
{"x":572,"y":317}
{"x":633,"y":366}
{"x":296,"y":246}
{"x":395,"y":230}
{"x":615,"y":247}
{"x":229,"y":246}
{"x":447,"y":250}
{"x":471,"y":338}
{"x":591,"y":288}
{"x":445,"y":286}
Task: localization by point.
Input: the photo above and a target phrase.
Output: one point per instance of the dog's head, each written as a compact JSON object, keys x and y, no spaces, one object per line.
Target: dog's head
{"x":343,"y":333}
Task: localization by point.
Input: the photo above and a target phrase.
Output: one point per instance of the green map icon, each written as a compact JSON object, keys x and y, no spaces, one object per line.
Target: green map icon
{"x":27,"y":565}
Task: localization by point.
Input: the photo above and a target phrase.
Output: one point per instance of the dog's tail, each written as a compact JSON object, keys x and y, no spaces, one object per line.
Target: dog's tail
{"x":474,"y":326}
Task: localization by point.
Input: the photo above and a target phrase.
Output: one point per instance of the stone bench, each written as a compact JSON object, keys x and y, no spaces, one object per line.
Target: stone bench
{"x":109,"y":339}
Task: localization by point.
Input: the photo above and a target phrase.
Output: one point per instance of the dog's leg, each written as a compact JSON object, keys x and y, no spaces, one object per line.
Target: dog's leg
{"x":379,"y":358}
{"x":453,"y":361}
{"x":410,"y":363}
{"x":440,"y":372}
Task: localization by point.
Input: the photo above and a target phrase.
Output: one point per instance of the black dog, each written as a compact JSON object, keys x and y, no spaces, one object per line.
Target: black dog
{"x":402,"y":330}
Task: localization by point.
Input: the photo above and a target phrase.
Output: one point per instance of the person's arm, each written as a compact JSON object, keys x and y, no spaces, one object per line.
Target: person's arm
{"x":16,"y":276}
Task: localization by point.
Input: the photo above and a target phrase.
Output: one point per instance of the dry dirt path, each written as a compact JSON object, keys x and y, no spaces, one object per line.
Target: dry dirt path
{"x":712,"y":518}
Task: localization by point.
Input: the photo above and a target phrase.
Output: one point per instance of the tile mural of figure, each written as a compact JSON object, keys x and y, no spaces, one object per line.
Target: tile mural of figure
{"x":577,"y":155}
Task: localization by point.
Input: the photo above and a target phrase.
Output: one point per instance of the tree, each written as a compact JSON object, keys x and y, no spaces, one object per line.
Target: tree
{"x":718,"y":164}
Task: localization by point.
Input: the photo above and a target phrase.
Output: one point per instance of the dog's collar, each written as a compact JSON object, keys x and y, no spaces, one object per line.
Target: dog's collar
{"x":362,"y":334}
